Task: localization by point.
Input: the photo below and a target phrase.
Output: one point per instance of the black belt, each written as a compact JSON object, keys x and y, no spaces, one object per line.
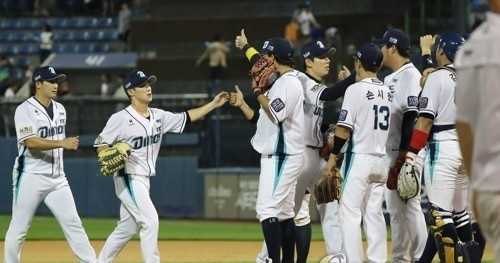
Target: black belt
{"x":440,"y":128}
{"x":313,"y":147}
{"x":271,"y":155}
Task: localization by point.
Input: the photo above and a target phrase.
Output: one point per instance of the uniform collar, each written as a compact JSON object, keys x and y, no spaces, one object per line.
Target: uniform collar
{"x":139,"y":116}
{"x":405,"y":66}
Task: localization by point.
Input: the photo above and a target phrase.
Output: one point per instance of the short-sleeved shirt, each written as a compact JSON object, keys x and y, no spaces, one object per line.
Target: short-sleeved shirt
{"x":142,"y":134}
{"x":477,"y":100}
{"x":404,"y":84}
{"x":366,"y":110}
{"x":283,"y":134}
{"x":313,"y":110}
{"x":438,"y":101}
{"x":32,"y":120}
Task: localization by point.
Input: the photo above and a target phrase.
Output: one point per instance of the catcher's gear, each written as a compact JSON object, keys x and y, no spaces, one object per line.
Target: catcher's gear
{"x":328,"y":188}
{"x":263,"y":75}
{"x":328,"y":136}
{"x":409,"y":178}
{"x":113,"y":158}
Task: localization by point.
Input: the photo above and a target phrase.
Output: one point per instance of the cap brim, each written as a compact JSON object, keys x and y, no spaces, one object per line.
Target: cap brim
{"x":331,"y":51}
{"x":58,"y":78}
{"x":152,"y":79}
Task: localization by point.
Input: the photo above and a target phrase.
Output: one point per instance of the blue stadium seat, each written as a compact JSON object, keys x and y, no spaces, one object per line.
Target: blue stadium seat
{"x":13,"y":49}
{"x":30,"y":36}
{"x":3,"y":49}
{"x":3,"y":36}
{"x":107,"y":22}
{"x":15,"y":36}
{"x":81,"y":22}
{"x":104,"y":48}
{"x":22,"y":61}
{"x":60,"y":48}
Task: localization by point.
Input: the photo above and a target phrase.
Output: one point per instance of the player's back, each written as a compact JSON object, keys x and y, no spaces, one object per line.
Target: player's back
{"x":313,"y":110}
{"x":366,"y":110}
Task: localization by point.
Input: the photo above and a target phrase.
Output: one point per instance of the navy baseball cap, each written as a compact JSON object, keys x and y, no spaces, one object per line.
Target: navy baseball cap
{"x":49,"y":74}
{"x":450,"y":42}
{"x":138,"y":78}
{"x":369,"y":55}
{"x":316,"y":49}
{"x":395,"y":37}
{"x":279,"y":47}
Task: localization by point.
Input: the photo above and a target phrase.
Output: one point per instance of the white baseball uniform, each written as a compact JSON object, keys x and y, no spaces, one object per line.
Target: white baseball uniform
{"x":280,"y":141}
{"x":408,"y":226}
{"x":445,"y":180}
{"x":39,"y":176}
{"x":137,"y":212}
{"x":478,"y":64}
{"x":366,"y":111}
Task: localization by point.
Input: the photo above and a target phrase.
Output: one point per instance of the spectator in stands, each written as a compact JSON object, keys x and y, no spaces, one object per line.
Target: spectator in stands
{"x":292,"y":31}
{"x":46,"y":43}
{"x":6,"y":70}
{"x":105,"y":85}
{"x":124,"y":17}
{"x":10,"y":92}
{"x":216,"y":51}
{"x":41,"y":7}
{"x":307,"y":22}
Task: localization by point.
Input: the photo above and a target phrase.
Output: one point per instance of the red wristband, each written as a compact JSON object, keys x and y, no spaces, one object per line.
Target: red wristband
{"x":418,"y":140}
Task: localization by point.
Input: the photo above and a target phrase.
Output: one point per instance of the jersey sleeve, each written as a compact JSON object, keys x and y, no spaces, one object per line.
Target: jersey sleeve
{"x":25,"y":125}
{"x":429,"y":99}
{"x":349,"y":109}
{"x":281,"y":101}
{"x":467,"y":92}
{"x":111,"y":132}
{"x":173,"y":122}
{"x":411,"y":88}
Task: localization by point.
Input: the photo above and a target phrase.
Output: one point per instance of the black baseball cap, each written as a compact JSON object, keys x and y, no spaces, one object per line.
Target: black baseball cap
{"x":138,"y":78}
{"x":316,"y":49}
{"x":396,"y":37}
{"x":279,"y":47}
{"x":369,"y":55}
{"x":49,"y":74}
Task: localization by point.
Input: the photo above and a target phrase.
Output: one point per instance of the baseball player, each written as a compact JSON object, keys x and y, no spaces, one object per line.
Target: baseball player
{"x":446,"y":182}
{"x":408,"y":227}
{"x":478,"y":63}
{"x":38,"y":173}
{"x":364,"y":120}
{"x":317,"y":60}
{"x":142,"y":128}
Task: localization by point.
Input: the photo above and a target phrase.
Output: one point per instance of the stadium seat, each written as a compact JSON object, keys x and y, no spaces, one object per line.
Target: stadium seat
{"x":6,"y":24}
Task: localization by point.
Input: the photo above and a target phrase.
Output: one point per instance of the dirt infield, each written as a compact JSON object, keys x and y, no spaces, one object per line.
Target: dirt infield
{"x":171,"y":251}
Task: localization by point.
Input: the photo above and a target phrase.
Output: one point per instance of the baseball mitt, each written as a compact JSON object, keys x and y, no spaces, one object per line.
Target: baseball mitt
{"x":408,"y":184}
{"x":263,"y":74}
{"x":328,"y":136}
{"x":328,"y":189}
{"x":113,"y":158}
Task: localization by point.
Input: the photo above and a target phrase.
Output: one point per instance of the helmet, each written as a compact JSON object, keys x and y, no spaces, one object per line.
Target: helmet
{"x":449,"y":43}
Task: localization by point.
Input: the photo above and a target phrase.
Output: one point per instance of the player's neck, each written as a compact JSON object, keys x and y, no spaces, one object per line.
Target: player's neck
{"x":282,"y":69}
{"x":362,"y":74}
{"x":45,"y":101}
{"x":314,"y":76}
{"x":399,"y":62}
{"x":141,"y":108}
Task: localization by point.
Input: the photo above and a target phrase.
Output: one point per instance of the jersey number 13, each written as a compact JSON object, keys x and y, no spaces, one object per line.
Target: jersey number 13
{"x":383,"y":122}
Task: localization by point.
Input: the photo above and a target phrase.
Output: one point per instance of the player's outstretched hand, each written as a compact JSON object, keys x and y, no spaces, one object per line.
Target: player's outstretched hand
{"x":236,"y":97}
{"x":426,"y":43}
{"x":343,"y":73}
{"x":220,"y":99}
{"x":241,"y":40}
{"x":71,"y":143}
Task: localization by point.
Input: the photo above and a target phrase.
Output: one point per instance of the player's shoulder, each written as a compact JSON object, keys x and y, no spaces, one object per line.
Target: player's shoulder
{"x":119,"y":115}
{"x":409,"y":73}
{"x":480,"y":48}
{"x":289,"y":80}
{"x":442,"y":74}
{"x":59,"y":105}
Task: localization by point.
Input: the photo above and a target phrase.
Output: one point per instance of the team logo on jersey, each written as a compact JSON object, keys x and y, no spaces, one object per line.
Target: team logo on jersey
{"x":139,"y":142}
{"x":423,"y":101}
{"x":412,"y":101}
{"x":26,"y":130}
{"x":277,"y":105}
{"x":343,"y":115}
{"x":45,"y":132}
{"x":62,"y":121}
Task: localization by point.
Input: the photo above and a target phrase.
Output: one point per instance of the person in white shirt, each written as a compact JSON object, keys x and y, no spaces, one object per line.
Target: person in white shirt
{"x":364,"y":120}
{"x":142,"y":128}
{"x":478,"y":67}
{"x":38,"y":174}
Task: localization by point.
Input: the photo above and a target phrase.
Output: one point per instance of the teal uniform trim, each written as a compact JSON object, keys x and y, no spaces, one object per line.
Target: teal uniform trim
{"x":126,"y":178}
{"x":348,"y":160}
{"x":20,"y":170}
{"x":433,"y":156}
{"x":280,"y":156}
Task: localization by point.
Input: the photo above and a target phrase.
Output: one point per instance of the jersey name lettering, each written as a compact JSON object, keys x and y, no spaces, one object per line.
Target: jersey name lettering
{"x":139,"y":142}
{"x":45,"y":132}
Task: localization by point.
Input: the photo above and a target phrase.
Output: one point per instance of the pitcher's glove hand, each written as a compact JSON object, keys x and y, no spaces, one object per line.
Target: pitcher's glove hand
{"x":328,"y":188}
{"x":408,"y":184}
{"x":113,"y":158}
{"x":263,"y":74}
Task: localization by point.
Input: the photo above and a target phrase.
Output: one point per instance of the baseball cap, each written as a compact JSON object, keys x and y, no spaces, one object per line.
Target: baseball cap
{"x":369,"y":55}
{"x":449,"y":43}
{"x":279,"y":47}
{"x":138,"y":78}
{"x":395,"y":37}
{"x":47,"y":73}
{"x":316,"y":49}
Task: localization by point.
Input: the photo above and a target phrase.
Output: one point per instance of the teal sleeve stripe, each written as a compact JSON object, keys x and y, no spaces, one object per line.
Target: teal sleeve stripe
{"x":279,"y":170}
{"x":347,"y":162}
{"x":126,"y":178}
{"x":433,"y":155}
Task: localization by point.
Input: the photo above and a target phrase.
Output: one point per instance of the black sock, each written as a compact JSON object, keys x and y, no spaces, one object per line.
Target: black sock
{"x":288,"y":240}
{"x":272,"y":234}
{"x":463,"y":226}
{"x":430,"y":249}
{"x":302,"y":242}
{"x":479,"y":238}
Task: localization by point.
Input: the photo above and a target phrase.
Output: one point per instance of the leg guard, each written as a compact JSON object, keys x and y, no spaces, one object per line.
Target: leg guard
{"x":450,"y":250}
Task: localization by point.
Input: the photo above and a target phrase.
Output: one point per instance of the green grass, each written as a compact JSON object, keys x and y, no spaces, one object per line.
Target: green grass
{"x":47,"y":228}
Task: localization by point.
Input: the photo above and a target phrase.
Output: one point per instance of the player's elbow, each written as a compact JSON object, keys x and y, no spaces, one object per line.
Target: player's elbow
{"x":30,"y":143}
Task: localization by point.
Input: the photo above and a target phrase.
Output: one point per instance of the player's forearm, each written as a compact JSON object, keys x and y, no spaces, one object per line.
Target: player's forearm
{"x":196,"y":114}
{"x":466,"y":140}
{"x":39,"y":144}
{"x":406,"y":129}
{"x":420,"y":134}
{"x":264,"y":103}
{"x":338,"y":90}
{"x":251,"y":54}
{"x":248,"y":112}
{"x":424,"y":124}
{"x":342,"y":134}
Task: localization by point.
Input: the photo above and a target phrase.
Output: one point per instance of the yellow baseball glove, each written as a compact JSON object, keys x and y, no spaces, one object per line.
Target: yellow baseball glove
{"x":113,"y":158}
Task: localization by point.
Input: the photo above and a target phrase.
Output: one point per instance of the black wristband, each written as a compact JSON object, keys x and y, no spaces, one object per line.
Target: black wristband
{"x":338,"y":143}
{"x":245,"y":48}
{"x":427,"y":62}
